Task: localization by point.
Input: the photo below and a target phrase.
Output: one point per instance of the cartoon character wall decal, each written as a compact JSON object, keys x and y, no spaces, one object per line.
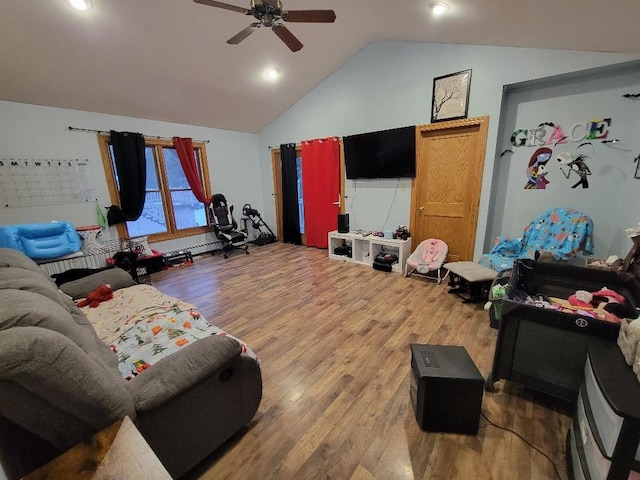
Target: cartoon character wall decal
{"x":537,"y":169}
{"x":577,"y":165}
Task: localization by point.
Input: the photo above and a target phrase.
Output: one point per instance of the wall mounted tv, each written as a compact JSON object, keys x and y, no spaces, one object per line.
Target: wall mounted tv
{"x":383,"y":154}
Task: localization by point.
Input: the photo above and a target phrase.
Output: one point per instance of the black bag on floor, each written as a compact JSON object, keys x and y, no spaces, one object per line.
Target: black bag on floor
{"x":383,"y":261}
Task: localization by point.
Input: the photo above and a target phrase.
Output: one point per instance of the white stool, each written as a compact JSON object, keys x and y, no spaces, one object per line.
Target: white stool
{"x":470,"y":281}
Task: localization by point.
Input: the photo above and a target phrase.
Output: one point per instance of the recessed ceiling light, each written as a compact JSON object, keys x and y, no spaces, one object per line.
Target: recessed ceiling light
{"x":272,"y":74}
{"x":80,"y":4}
{"x":438,"y":8}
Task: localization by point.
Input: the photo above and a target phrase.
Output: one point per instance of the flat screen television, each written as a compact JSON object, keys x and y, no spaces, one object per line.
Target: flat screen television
{"x":383,"y":154}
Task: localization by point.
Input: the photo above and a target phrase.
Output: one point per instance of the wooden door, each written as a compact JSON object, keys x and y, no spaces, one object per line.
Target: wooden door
{"x":276,"y":169}
{"x":446,"y":191}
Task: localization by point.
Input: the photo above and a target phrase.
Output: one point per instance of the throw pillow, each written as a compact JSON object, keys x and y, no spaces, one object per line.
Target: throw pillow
{"x":141,"y":246}
{"x":91,"y":237}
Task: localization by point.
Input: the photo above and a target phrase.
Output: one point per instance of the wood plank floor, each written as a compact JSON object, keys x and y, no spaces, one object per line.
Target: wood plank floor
{"x":333,"y":338}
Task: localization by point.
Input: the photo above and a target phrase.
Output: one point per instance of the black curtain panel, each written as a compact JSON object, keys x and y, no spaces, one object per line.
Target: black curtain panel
{"x":290,"y":218}
{"x":131,"y":169}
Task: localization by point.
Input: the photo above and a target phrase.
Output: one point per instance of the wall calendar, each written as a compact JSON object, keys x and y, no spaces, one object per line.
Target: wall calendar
{"x":34,"y":182}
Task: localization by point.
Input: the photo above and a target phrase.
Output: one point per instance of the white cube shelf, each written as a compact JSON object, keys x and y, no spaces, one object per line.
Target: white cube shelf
{"x":365,"y":249}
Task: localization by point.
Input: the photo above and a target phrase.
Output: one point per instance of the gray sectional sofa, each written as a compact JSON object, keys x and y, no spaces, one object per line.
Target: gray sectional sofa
{"x":60,"y":384}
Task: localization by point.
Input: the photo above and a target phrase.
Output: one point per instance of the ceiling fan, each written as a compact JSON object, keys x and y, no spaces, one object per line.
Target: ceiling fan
{"x":269,"y":13}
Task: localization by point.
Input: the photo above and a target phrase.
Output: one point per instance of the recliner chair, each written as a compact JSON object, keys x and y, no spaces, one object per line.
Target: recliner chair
{"x":225,"y":226}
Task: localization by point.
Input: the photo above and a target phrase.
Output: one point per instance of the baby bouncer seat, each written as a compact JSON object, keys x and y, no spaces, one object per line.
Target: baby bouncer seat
{"x":429,"y":256}
{"x":225,"y":227}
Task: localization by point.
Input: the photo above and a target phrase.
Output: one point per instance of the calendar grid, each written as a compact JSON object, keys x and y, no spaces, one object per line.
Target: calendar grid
{"x":34,"y":182}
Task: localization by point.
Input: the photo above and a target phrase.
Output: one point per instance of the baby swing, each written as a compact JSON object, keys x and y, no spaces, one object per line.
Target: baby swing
{"x":429,"y":256}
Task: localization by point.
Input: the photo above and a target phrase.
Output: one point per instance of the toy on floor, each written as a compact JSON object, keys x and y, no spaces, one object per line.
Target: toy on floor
{"x":95,"y":297}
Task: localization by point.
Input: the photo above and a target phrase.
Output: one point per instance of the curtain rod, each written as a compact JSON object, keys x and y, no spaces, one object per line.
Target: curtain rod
{"x":90,"y":130}
{"x":297,"y":144}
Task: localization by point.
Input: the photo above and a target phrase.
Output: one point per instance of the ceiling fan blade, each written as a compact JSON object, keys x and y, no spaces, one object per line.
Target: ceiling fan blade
{"x":316,"y":16}
{"x":238,"y":37}
{"x":287,"y":37}
{"x":226,"y":6}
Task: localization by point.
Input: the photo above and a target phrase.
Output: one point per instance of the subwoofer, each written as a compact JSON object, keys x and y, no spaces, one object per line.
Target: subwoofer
{"x":343,"y":223}
{"x":445,"y":389}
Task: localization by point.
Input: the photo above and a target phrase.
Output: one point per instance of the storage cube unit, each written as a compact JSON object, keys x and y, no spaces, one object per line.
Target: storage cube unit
{"x":340,"y":248}
{"x":365,"y":248}
{"x":546,"y":349}
{"x":604,"y":439}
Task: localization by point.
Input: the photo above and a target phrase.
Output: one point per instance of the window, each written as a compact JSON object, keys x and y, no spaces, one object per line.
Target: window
{"x":300,"y":193}
{"x":170,"y":209}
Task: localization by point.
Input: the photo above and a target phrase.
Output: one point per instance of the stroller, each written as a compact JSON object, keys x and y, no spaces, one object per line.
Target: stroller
{"x":429,"y":256}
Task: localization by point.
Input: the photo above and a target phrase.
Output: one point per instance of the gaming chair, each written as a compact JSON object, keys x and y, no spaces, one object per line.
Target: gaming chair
{"x":225,"y":227}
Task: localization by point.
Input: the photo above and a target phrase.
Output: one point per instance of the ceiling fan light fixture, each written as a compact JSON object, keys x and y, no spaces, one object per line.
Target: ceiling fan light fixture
{"x":438,"y":8}
{"x":80,"y":4}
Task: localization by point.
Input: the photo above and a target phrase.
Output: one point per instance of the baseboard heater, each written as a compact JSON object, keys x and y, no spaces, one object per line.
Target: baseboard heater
{"x":201,"y":248}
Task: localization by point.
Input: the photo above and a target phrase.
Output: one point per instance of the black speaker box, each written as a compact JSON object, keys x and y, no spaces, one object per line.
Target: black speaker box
{"x":343,"y":223}
{"x":446,"y":389}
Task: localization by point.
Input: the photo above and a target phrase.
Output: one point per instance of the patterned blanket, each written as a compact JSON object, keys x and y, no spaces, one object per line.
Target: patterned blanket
{"x":143,"y":325}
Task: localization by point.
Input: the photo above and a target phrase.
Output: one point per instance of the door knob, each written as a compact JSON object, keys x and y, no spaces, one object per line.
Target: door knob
{"x":421,"y":209}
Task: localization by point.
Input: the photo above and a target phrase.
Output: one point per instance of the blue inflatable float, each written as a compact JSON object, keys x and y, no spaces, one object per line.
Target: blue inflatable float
{"x":41,"y":241}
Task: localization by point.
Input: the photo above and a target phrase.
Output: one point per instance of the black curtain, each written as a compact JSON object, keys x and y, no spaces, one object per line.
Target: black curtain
{"x":290,"y":217}
{"x":131,"y":168}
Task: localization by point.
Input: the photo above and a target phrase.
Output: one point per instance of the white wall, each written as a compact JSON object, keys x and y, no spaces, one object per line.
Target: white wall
{"x":613,"y":191}
{"x":389,"y":84}
{"x":36,"y":132}
{"x":386,"y":85}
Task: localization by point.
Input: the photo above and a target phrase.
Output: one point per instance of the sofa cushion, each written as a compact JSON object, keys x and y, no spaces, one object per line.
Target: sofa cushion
{"x":30,"y":281}
{"x":66,"y":392}
{"x":116,"y":277}
{"x":102,"y":350}
{"x":20,"y":308}
{"x":13,"y":258}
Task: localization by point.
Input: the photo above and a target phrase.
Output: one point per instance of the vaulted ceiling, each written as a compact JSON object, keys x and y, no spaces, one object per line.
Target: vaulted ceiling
{"x":168,"y":59}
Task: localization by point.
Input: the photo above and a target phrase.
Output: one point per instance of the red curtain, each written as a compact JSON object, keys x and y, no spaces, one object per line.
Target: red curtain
{"x":320,"y":189}
{"x":184,"y":147}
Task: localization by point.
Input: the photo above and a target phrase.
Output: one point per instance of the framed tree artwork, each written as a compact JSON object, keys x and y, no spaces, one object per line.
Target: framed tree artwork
{"x":450,"y":99}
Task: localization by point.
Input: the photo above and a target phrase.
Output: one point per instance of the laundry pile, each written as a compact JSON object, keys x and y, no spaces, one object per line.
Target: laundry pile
{"x":604,"y":304}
